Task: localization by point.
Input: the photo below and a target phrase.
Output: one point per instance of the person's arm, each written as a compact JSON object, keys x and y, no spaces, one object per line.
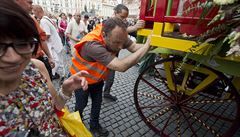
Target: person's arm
{"x":71,"y":37}
{"x":139,"y":25}
{"x":43,"y":44}
{"x":123,"y":64}
{"x":134,"y":47}
{"x":45,"y":48}
{"x":76,"y":81}
{"x":47,"y":52}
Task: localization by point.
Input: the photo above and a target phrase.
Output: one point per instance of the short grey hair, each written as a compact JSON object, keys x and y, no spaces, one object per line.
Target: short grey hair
{"x":119,"y":8}
{"x":111,"y":23}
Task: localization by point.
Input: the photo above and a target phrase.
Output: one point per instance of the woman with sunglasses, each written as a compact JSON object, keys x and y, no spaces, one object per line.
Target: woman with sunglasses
{"x":27,"y":96}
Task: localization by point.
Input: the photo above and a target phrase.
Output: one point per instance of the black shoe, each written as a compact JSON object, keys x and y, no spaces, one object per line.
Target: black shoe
{"x":99,"y":131}
{"x":111,"y":97}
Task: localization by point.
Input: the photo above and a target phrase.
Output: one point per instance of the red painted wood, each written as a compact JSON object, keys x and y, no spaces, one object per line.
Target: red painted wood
{"x":190,"y":23}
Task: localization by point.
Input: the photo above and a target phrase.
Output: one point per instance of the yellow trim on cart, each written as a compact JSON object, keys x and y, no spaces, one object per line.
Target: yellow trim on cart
{"x":172,"y":43}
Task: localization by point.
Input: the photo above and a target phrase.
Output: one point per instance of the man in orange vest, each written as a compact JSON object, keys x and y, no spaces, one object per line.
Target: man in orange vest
{"x":96,"y":53}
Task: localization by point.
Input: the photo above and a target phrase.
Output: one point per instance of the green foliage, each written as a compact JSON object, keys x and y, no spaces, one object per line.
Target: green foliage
{"x":227,"y":31}
{"x":147,"y":60}
{"x":225,"y":28}
{"x":223,"y":37}
{"x":198,"y":6}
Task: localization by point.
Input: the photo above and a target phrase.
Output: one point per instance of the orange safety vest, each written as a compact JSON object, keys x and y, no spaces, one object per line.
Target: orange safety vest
{"x":97,"y":71}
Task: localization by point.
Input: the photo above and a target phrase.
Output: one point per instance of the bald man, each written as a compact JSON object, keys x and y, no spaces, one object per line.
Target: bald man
{"x":54,"y":41}
{"x":43,"y":48}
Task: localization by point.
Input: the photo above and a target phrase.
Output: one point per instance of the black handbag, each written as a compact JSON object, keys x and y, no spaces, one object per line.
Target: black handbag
{"x":32,"y":132}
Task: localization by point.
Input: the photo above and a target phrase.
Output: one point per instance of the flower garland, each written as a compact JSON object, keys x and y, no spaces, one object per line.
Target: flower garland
{"x":229,"y":13}
{"x":224,"y":2}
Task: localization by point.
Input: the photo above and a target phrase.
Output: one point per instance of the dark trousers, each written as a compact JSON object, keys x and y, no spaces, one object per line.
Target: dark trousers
{"x":47,"y":65}
{"x":95,"y":91}
{"x":109,"y":82}
{"x":63,"y":37}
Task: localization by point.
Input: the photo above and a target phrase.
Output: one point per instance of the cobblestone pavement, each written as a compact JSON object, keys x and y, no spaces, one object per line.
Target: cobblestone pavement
{"x":120,"y":117}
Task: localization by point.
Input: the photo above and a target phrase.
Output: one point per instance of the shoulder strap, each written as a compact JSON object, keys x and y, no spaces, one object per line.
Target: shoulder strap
{"x":51,"y":22}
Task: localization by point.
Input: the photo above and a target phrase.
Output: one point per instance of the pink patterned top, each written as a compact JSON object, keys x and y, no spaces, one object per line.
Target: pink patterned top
{"x":29,"y":105}
{"x":63,"y":24}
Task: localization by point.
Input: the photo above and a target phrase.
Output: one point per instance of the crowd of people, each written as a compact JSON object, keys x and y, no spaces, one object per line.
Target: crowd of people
{"x":32,"y":44}
{"x":71,"y":29}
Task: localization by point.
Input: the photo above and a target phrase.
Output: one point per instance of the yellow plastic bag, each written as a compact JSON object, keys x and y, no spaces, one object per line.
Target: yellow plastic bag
{"x":73,"y":123}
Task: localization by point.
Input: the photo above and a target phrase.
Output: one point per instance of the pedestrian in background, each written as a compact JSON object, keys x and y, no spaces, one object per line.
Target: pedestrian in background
{"x":62,"y":26}
{"x":75,"y":30}
{"x":53,"y":41}
{"x":120,"y":11}
{"x":91,"y":25}
{"x":43,"y":52}
{"x":85,"y":22}
{"x":69,"y":18}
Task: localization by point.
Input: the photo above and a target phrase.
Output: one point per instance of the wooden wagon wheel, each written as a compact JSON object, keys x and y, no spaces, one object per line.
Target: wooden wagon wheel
{"x":187,"y":101}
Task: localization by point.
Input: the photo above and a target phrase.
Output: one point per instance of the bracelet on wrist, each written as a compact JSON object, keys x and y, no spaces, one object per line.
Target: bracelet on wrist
{"x":62,"y":95}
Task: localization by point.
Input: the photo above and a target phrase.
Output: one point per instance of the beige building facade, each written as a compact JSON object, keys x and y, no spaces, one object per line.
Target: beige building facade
{"x":97,"y":7}
{"x":133,"y":6}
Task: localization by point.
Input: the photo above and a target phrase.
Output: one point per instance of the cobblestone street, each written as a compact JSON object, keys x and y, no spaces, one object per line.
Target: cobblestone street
{"x":120,"y":117}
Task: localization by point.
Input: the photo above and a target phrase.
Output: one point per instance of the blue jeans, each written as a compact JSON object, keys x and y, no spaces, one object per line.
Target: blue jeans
{"x":95,"y":91}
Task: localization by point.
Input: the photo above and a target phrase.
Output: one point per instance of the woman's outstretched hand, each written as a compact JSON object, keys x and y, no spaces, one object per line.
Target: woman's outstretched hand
{"x":74,"y":82}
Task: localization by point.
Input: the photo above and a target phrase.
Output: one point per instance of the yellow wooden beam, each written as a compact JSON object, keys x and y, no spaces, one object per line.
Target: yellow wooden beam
{"x":169,"y":27}
{"x":144,"y":32}
{"x":172,"y":43}
{"x":211,"y":77}
{"x":236,"y":81}
{"x":157,"y":28}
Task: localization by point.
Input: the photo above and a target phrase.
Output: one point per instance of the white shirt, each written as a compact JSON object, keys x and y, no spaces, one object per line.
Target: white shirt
{"x":54,"y":41}
{"x":85,"y":26}
{"x":74,"y":30}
